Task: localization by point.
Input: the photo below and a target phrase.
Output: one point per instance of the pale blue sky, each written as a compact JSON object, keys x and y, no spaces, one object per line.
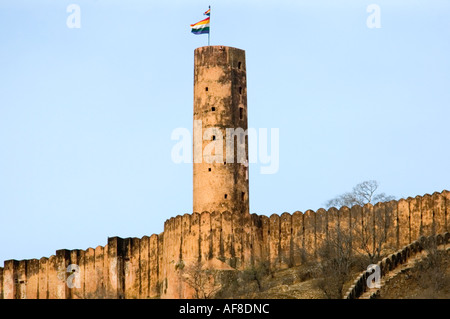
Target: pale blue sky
{"x":86,"y":114}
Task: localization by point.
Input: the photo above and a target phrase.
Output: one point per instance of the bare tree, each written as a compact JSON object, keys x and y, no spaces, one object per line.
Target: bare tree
{"x":256,"y":273}
{"x":201,"y":279}
{"x":363,"y":193}
{"x":371,"y":233}
{"x":336,"y":262}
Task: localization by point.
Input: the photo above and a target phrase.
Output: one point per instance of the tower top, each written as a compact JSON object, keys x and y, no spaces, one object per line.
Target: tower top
{"x":217,"y":47}
{"x":219,"y":55}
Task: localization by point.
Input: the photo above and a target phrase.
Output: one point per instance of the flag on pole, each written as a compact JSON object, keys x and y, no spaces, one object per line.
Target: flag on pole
{"x":201,"y":27}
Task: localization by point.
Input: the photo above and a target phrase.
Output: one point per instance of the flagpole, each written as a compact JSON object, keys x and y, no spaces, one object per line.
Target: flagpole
{"x":209,"y":33}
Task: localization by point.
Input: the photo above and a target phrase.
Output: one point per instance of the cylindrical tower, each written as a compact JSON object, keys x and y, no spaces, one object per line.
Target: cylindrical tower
{"x":220,"y":130}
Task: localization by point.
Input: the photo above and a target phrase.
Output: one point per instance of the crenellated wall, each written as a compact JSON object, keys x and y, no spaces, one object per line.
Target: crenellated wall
{"x":124,"y":268}
{"x":148,"y":267}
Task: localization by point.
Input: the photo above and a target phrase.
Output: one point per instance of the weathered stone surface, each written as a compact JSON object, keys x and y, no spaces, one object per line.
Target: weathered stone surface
{"x":154,"y":266}
{"x":162,"y":285}
{"x":1,"y":283}
{"x":246,"y":241}
{"x":10,"y":269}
{"x":131,"y":268}
{"x":446,"y":195}
{"x":54,"y":275}
{"x":237,"y":237}
{"x":194,"y":238}
{"x":168,"y":261}
{"x":205,"y":236}
{"x":309,"y":219}
{"x":379,"y":226}
{"x":220,"y":102}
{"x":403,"y":222}
{"x":116,"y":282}
{"x":438,"y":206}
{"x":32,"y":279}
{"x":90,"y":276}
{"x":427,"y":213}
{"x":297,"y":238}
{"x":345,"y":224}
{"x":77,"y":258}
{"x":256,"y":240}
{"x":274,"y":241}
{"x":144,"y":267}
{"x":185,"y":235}
{"x":332,"y":231}
{"x":177,"y":227}
{"x":165,"y":258}
{"x":345,"y":220}
{"x":286,"y":240}
{"x":321,"y":228}
{"x":415,"y":216}
{"x":392,"y":241}
{"x":100,"y":273}
{"x":105,"y":278}
{"x":265,"y":247}
{"x":43,"y":278}
{"x":368,"y":233}
{"x":63,"y":262}
{"x":172,"y":246}
{"x":357,"y":233}
{"x":216,"y":235}
{"x":227,"y":232}
{"x":22,"y":280}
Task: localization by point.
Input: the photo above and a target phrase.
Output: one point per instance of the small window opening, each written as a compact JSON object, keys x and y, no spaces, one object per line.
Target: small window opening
{"x":224,"y":163}
{"x":213,"y":109}
{"x":242,"y":195}
{"x":206,"y":89}
{"x":239,"y":65}
{"x":226,"y":196}
{"x":241,"y":113}
{"x":240,"y":90}
{"x":214,"y":137}
{"x":209,"y":169}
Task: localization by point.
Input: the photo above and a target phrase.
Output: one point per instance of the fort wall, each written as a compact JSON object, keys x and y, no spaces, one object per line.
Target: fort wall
{"x":152,"y":267}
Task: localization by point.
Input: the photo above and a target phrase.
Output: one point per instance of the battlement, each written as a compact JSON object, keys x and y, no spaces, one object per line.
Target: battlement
{"x":147,"y":267}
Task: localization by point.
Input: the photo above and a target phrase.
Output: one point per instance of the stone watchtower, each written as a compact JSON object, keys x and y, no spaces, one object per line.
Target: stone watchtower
{"x":220,"y":103}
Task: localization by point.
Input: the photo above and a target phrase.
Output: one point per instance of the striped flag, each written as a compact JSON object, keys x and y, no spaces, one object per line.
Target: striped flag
{"x":208,"y":12}
{"x":201,"y":27}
